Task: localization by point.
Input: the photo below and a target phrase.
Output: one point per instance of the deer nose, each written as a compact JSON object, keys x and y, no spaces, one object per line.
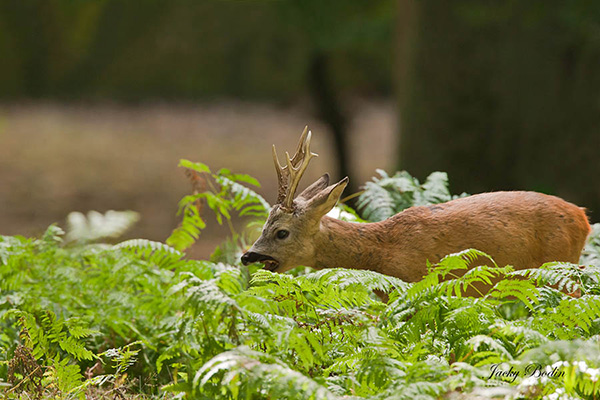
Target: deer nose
{"x":250,"y":257}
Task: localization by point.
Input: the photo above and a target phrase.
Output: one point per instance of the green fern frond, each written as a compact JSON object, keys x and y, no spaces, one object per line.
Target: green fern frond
{"x":451,"y":266}
{"x":188,"y":231}
{"x":467,"y":315}
{"x":122,"y":357}
{"x":246,"y":201}
{"x":53,"y":235}
{"x":463,"y":260}
{"x":423,"y":380}
{"x":96,"y":226}
{"x":376,"y":202}
{"x":232,"y":280}
{"x":423,"y":288}
{"x":423,"y":390}
{"x":271,"y":377}
{"x":75,"y":348}
{"x":195,"y":166}
{"x":581,"y":312}
{"x":213,"y":295}
{"x":225,"y":195}
{"x":157,"y":253}
{"x":64,"y":375}
{"x":591,"y":251}
{"x":263,"y":276}
{"x":386,"y":196}
{"x":346,"y":278}
{"x":434,"y":190}
{"x":522,"y":290}
{"x":518,"y":333}
{"x":377,"y":370}
{"x":565,"y":276}
{"x":231,"y":249}
{"x":564,"y":350}
{"x":479,"y":343}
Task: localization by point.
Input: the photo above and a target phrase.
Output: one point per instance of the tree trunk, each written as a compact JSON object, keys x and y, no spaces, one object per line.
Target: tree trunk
{"x":330,"y":112}
{"x":502,"y":95}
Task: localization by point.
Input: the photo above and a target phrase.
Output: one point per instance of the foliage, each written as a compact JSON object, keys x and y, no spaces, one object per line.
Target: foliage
{"x":388,"y":195}
{"x":79,"y":317}
{"x":98,"y":226}
{"x":116,"y":50}
{"x":226,"y":196}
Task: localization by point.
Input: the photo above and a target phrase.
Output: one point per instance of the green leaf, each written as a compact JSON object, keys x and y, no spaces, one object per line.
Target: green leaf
{"x":196,"y":166}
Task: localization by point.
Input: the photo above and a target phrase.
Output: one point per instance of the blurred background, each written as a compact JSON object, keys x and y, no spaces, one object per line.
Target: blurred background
{"x":99,"y":99}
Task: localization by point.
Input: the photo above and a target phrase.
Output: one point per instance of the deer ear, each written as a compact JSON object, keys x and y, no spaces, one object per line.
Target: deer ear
{"x":326,"y":199}
{"x":315,"y":188}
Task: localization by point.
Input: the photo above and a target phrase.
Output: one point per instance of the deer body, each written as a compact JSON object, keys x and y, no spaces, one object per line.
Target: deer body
{"x":522,"y":229}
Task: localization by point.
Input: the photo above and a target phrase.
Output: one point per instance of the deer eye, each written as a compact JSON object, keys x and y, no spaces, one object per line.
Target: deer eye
{"x":282,"y":234}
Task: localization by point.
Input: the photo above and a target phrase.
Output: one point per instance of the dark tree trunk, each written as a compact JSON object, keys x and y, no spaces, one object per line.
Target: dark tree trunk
{"x":330,"y":111}
{"x":502,"y":95}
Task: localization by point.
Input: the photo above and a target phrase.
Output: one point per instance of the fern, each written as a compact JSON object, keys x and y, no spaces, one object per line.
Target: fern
{"x":50,"y":336}
{"x":446,"y":276}
{"x":579,"y":313}
{"x":80,"y":320}
{"x":271,"y":378}
{"x":386,"y":196}
{"x":245,"y":201}
{"x":192,"y":224}
{"x":347,"y":279}
{"x":344,"y":213}
{"x":97,"y":226}
{"x":122,"y":358}
{"x":156,"y":253}
{"x":564,"y":276}
{"x":591,"y":251}
{"x":52,"y":343}
{"x":522,"y":290}
{"x":487,"y":350}
{"x":225,"y":196}
{"x":376,"y":202}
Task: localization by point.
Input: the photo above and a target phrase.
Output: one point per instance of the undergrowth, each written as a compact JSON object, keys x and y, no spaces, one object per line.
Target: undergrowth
{"x":80,"y":318}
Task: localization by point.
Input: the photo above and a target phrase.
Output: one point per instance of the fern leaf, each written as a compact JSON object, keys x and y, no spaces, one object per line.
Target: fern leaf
{"x":159,"y":254}
{"x":376,"y":203}
{"x":579,"y":312}
{"x":485,"y":342}
{"x":522,"y":290}
{"x":386,"y":196}
{"x":345,"y":278}
{"x":434,"y":190}
{"x":97,"y":226}
{"x":591,"y":251}
{"x":188,"y":232}
{"x":196,"y":166}
{"x":53,"y":235}
{"x":273,"y":378}
{"x":75,"y":348}
{"x":560,"y":274}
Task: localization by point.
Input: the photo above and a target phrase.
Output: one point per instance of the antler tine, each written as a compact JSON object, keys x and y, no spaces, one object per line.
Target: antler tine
{"x":295,"y":171}
{"x":282,"y":178}
{"x":299,"y":154}
{"x":289,"y":175}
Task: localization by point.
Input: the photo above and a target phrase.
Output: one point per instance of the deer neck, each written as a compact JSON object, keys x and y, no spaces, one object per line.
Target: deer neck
{"x":341,"y":244}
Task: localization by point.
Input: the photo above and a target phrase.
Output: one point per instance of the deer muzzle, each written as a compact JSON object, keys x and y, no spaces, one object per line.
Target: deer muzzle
{"x":250,"y":257}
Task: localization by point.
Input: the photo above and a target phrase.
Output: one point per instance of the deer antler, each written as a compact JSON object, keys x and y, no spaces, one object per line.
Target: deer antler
{"x":290,"y":174}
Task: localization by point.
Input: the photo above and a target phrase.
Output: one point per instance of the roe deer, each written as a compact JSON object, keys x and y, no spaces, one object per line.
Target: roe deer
{"x":523,"y":229}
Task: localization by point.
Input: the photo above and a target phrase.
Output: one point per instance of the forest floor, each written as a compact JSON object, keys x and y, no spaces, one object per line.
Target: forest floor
{"x":57,"y":158}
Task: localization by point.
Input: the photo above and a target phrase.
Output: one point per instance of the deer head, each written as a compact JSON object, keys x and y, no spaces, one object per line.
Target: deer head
{"x":286,"y":239}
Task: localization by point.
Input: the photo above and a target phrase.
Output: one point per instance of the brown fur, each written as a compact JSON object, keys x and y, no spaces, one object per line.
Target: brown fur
{"x":523,"y":229}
